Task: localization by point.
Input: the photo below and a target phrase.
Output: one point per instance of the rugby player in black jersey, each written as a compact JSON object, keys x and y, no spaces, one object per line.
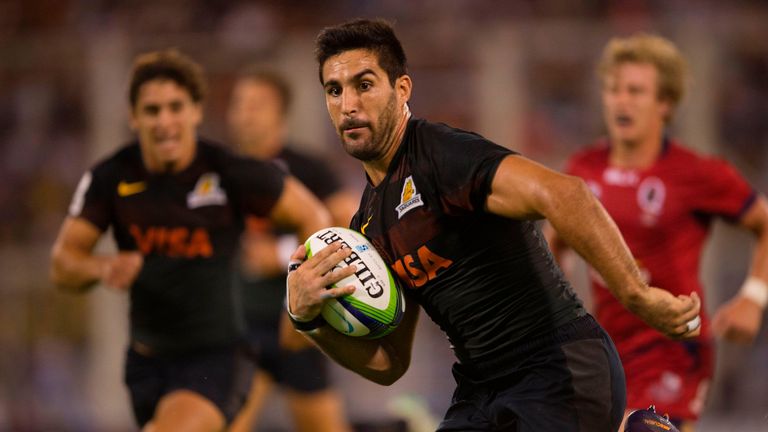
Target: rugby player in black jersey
{"x":454,"y":216}
{"x":176,"y":205}
{"x":257,"y":118}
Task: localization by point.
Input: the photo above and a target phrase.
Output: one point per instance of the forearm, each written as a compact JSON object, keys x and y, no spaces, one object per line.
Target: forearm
{"x":374,"y":360}
{"x":584,"y":225}
{"x":759,"y":266}
{"x":74,"y":271}
{"x":756,"y":285}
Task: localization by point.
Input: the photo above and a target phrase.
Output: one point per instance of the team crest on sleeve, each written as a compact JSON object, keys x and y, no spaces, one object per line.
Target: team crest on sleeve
{"x":207,"y":192}
{"x":410,"y":198}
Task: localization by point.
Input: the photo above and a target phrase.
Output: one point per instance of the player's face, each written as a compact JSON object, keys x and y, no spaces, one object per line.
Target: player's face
{"x":165,"y":119}
{"x":255,"y":113}
{"x":364,"y":107}
{"x":632,"y":110}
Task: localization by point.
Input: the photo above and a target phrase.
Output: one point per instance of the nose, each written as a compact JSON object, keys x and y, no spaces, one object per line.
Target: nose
{"x":165,"y":117}
{"x":350,"y":103}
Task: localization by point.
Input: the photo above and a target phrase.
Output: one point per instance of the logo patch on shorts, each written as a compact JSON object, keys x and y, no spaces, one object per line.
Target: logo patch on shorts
{"x":410,"y":198}
{"x":207,"y":192}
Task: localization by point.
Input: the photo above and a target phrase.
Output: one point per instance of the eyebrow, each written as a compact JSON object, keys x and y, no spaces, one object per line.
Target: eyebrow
{"x":356,"y":77}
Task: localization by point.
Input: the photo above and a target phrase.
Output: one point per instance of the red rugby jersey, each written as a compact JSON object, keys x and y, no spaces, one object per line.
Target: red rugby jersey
{"x":664,"y":213}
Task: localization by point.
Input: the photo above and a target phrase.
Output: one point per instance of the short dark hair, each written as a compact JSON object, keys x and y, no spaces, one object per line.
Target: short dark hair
{"x":374,"y":35}
{"x":167,"y":64}
{"x":273,"y":79}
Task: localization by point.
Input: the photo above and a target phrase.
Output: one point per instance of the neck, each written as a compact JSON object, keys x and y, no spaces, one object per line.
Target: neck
{"x":172,"y":167}
{"x":636,"y":154}
{"x":377,"y":169}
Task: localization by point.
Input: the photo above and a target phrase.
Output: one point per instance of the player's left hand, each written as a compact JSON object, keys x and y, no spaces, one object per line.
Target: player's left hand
{"x":738,"y":320}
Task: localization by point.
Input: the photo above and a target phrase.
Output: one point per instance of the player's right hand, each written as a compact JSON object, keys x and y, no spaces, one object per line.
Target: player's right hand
{"x":120,"y":270}
{"x":675,"y":317}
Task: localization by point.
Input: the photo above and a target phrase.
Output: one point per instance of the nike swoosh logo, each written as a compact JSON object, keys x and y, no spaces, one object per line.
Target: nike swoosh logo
{"x":365,"y":225}
{"x":125,"y":189}
{"x":349,"y":325}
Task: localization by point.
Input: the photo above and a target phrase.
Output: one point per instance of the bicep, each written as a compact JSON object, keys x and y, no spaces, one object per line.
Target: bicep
{"x":524,"y":189}
{"x":76,"y":235}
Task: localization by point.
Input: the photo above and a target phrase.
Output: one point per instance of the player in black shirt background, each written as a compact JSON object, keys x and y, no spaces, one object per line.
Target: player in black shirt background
{"x":176,"y":205}
{"x":454,"y":216}
{"x":257,"y":121}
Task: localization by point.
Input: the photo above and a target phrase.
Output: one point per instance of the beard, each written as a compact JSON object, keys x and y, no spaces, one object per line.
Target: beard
{"x":375,"y":147}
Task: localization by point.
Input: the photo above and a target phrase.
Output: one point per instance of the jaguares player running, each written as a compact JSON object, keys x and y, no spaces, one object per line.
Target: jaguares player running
{"x":454,"y":215}
{"x":176,"y":205}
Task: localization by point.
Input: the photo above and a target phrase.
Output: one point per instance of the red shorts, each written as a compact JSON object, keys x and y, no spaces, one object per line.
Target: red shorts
{"x":673,"y":376}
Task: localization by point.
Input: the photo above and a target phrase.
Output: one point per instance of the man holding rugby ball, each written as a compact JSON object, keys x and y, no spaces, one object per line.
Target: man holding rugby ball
{"x":453,"y":214}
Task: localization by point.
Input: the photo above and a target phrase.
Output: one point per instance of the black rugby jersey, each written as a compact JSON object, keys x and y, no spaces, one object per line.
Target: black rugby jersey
{"x":187,"y":225}
{"x":263,"y":296}
{"x":488,"y":281}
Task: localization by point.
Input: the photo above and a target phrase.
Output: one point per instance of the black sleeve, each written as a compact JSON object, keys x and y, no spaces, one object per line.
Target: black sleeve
{"x":463,"y":165}
{"x":93,"y":197}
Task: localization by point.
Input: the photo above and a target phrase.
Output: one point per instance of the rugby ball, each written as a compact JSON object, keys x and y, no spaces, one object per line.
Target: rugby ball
{"x":377,"y":305}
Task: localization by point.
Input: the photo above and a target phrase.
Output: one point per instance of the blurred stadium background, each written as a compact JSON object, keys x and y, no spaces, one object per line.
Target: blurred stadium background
{"x":519,"y":72}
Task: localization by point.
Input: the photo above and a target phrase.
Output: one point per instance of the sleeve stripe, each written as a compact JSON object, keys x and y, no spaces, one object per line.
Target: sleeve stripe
{"x":747,"y":205}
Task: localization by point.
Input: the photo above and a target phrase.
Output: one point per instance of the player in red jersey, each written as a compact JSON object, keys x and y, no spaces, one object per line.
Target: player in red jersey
{"x":664,"y":197}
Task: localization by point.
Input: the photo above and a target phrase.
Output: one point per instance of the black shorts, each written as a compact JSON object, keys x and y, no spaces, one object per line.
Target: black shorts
{"x":575,"y":386}
{"x":303,"y":371}
{"x":221,"y":375}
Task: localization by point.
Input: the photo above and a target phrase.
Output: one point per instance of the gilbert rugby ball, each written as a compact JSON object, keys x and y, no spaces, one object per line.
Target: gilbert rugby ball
{"x":377,"y":305}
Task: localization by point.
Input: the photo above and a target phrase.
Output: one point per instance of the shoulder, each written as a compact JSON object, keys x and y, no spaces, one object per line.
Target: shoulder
{"x":221,"y":158}
{"x":678,"y":155}
{"x":442,"y":134}
{"x":126,"y":158}
{"x":301,"y":162}
{"x":441,"y":142}
{"x":215,"y":152}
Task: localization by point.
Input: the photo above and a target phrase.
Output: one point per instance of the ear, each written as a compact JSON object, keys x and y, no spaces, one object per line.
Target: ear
{"x":665,"y":109}
{"x":403,"y":87}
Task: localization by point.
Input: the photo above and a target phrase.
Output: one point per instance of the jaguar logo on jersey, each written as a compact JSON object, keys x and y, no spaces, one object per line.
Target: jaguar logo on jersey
{"x":410,"y":198}
{"x":650,"y":197}
{"x":207,"y":192}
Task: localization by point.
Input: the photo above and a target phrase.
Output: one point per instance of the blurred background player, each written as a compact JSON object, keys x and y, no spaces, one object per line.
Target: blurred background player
{"x":455,"y":216}
{"x":176,"y":205}
{"x":257,"y":119}
{"x":664,"y":198}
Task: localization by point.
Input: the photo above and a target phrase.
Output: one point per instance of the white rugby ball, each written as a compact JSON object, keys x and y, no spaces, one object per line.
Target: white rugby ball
{"x":377,"y":305}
